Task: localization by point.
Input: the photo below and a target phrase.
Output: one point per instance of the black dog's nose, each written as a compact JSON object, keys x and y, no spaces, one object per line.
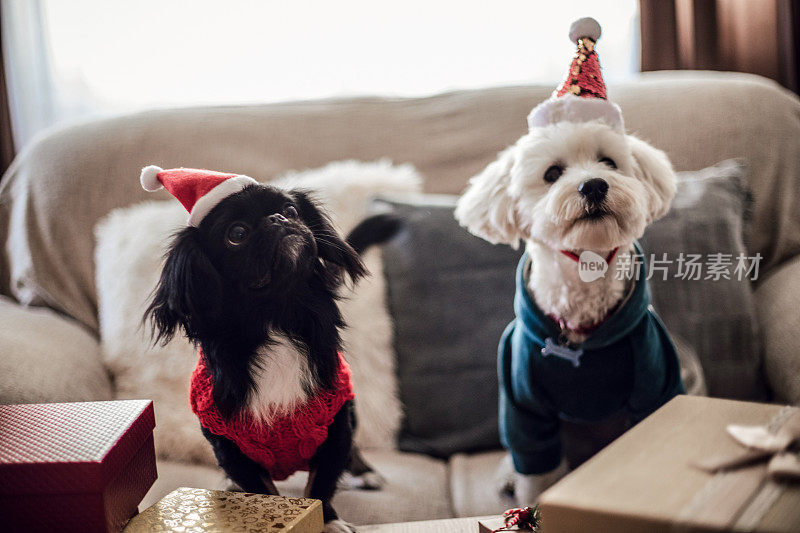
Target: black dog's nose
{"x":594,"y":190}
{"x":277,"y":218}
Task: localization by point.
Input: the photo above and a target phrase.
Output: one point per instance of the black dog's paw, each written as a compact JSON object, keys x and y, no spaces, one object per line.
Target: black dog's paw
{"x":365,"y":481}
{"x":230,"y":485}
{"x":339,"y":526}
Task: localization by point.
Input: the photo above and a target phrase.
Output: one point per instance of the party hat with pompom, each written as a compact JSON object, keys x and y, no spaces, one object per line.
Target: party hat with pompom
{"x":581,"y":97}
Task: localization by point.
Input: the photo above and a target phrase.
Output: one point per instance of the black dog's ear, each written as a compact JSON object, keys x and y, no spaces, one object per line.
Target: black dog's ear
{"x":188,"y":292}
{"x":336,"y":254}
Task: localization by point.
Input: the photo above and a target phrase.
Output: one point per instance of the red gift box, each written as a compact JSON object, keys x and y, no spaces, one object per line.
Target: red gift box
{"x":75,"y":466}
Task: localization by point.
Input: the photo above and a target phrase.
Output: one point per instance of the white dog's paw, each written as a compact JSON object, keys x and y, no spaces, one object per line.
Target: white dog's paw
{"x":339,"y":526}
{"x":504,"y":478}
{"x":229,"y":485}
{"x":365,"y":481}
{"x":528,"y":488}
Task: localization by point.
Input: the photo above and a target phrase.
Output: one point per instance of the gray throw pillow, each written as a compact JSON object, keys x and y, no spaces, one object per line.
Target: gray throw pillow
{"x":450,"y":295}
{"x":709,"y":216}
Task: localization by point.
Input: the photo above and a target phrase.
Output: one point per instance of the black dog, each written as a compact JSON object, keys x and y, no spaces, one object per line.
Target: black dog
{"x":254,"y":287}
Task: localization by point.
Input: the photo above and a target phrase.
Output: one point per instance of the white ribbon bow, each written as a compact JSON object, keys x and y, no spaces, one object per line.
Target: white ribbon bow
{"x":780,"y":449}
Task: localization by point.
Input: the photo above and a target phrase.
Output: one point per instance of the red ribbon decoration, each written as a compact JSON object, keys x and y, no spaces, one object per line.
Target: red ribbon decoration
{"x":526,"y":518}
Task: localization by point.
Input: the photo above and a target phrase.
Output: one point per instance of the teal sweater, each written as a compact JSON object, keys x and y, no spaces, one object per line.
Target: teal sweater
{"x":628,"y":365}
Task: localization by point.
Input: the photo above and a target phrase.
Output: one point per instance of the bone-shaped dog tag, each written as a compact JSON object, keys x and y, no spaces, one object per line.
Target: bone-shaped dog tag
{"x":551,"y":347}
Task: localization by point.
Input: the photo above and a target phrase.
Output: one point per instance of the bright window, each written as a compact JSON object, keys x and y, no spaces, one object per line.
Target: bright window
{"x":113,"y":56}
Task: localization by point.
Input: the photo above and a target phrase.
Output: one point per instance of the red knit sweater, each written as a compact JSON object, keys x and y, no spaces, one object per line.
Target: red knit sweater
{"x":289,"y":442}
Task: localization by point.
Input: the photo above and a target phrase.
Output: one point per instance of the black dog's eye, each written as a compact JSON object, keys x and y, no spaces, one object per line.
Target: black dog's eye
{"x":553,"y":173}
{"x":237,"y":233}
{"x":289,"y":211}
{"x":608,"y":161}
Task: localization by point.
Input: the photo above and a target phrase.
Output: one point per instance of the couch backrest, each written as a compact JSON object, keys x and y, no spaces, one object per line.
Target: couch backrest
{"x":56,"y":190}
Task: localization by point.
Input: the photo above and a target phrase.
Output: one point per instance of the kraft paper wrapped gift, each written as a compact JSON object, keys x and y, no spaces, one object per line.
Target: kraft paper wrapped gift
{"x":648,"y":479}
{"x":199,"y":510}
{"x":489,"y":525}
{"x":82,"y":467}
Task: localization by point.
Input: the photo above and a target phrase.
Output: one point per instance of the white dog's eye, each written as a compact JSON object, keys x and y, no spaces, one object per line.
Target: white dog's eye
{"x":608,"y":161}
{"x":553,"y":173}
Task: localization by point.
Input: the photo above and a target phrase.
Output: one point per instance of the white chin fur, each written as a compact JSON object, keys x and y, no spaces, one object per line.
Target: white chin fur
{"x":610,"y":232}
{"x":602,"y":234}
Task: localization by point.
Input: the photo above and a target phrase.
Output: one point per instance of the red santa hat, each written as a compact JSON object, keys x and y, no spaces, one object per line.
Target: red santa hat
{"x":581,"y":97}
{"x":198,"y":190}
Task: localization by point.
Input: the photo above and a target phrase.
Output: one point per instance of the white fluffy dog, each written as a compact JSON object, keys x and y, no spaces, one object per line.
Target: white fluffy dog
{"x":584,"y":350}
{"x":570,"y":187}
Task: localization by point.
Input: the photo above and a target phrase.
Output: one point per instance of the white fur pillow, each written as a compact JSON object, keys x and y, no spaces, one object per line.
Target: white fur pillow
{"x":130,"y":246}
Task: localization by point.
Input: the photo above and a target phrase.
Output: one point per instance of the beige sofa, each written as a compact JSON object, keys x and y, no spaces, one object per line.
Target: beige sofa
{"x":57,"y":189}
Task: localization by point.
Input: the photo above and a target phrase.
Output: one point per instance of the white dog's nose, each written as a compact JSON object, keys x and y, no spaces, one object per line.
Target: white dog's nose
{"x":594,"y":190}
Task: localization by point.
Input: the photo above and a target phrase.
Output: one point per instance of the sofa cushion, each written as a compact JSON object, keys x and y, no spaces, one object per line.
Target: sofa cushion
{"x":45,"y":357}
{"x":60,"y":186}
{"x":776,"y":301}
{"x":451,"y":295}
{"x":474,"y":483}
{"x":416,"y":489}
{"x":716,"y":316}
{"x":130,"y":247}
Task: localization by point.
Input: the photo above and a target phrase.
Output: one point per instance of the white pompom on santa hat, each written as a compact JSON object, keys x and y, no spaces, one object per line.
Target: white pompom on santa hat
{"x":581,"y":97}
{"x":198,"y":190}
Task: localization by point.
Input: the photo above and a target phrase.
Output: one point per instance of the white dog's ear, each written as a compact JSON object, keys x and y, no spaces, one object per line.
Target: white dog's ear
{"x":486,"y":209}
{"x":654,"y":169}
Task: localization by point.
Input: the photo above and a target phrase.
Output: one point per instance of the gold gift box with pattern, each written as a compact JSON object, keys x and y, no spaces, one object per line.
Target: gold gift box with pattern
{"x":199,"y":510}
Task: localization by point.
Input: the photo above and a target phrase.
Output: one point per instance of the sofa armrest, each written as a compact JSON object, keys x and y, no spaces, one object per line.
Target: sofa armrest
{"x":778,"y":314}
{"x":48,"y":358}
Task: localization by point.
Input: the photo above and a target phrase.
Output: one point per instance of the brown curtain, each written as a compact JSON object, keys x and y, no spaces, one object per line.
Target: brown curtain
{"x":6,"y":136}
{"x":757,"y":36}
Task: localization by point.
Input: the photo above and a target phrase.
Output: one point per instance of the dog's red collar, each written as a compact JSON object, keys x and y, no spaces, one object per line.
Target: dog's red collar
{"x":575,"y":257}
{"x":580,"y":330}
{"x":584,"y":330}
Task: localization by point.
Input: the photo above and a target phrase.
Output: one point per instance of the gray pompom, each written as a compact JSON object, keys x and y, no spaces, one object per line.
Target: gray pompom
{"x":585,"y":27}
